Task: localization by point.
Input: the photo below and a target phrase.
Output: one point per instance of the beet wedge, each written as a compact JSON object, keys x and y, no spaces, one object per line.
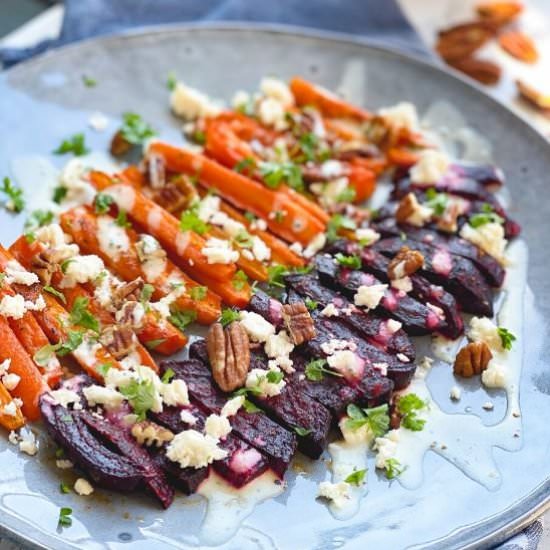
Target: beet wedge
{"x":417,"y":318}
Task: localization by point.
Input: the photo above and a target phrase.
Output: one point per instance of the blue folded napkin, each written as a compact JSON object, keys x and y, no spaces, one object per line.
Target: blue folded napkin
{"x":378,"y":19}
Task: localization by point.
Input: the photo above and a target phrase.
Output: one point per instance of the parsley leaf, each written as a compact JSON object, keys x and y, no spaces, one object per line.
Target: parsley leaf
{"x":168,"y":375}
{"x":357,"y":477}
{"x":393,"y":468}
{"x":102,"y":203}
{"x":274,"y":174}
{"x":506,"y":337}
{"x":308,"y":145}
{"x":65,"y":519}
{"x":408,"y":406}
{"x":337,"y":222}
{"x":239,"y":280}
{"x":246,"y":165}
{"x":376,"y":419}
{"x":64,"y":488}
{"x":103,"y":369}
{"x":198,"y":293}
{"x":228,"y":316}
{"x":274,"y":376}
{"x":37,"y":219}
{"x":353,"y":262}
{"x":302,"y":432}
{"x":181,"y":318}
{"x":75,"y":144}
{"x":59,"y":193}
{"x":51,"y":290}
{"x":311,"y":304}
{"x":190,"y":221}
{"x":141,"y":396}
{"x":249,"y":407}
{"x":88,"y":81}
{"x":315,"y":370}
{"x":80,"y":315}
{"x":275,"y":275}
{"x":153,"y":344}
{"x":436,"y":201}
{"x":16,"y":202}
{"x":146,"y":293}
{"x":134,"y":129}
{"x":487,"y":215}
{"x":122,"y":219}
{"x":171,"y":81}
{"x":43,"y":356}
{"x":347,"y":195}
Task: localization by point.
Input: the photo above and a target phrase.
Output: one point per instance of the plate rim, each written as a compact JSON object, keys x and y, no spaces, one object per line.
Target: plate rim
{"x":541,"y":493}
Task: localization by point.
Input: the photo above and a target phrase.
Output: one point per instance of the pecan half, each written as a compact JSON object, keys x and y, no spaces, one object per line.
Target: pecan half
{"x":229,"y":355}
{"x":119,"y":340}
{"x":126,"y":315}
{"x":298,"y":322}
{"x":519,"y":45}
{"x":537,"y":98}
{"x":43,"y":267}
{"x":177,"y":194}
{"x":463,"y":40}
{"x":405,"y":263}
{"x":472,"y":359}
{"x":409,"y":210}
{"x":500,"y":13}
{"x":481,"y":70}
{"x":377,"y":131}
{"x":120,"y":145}
{"x":128,"y":291}
{"x":448,"y":220}
{"x":149,"y":433}
{"x":157,"y":170}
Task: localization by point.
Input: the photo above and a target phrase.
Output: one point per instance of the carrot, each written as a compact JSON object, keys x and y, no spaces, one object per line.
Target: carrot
{"x":293,"y":222}
{"x":9,"y":421}
{"x":186,"y":247}
{"x":31,"y":384}
{"x":402,"y":157}
{"x":82,"y":225}
{"x":133,"y":176}
{"x":245,"y":127}
{"x":363,"y":180}
{"x":306,"y":93}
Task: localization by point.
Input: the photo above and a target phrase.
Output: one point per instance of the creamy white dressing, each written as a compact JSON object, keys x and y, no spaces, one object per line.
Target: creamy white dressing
{"x":153,"y":267}
{"x":112,"y":238}
{"x":154,"y":219}
{"x":123,"y":195}
{"x":228,"y":507}
{"x":445,"y":349}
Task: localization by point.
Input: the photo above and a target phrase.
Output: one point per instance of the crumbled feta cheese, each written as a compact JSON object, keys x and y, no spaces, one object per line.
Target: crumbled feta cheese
{"x":278,"y":345}
{"x":401,"y":115}
{"x":272,"y":113}
{"x":260,"y":250}
{"x":346,"y":362}
{"x":27,"y":444}
{"x":420,"y":213}
{"x":74,"y":177}
{"x":332,"y":169}
{"x":338,"y":493}
{"x":208,"y":207}
{"x":11,"y":381}
{"x":82,"y":269}
{"x":276,"y":89}
{"x":191,"y":449}
{"x":330,"y":310}
{"x":330,"y":193}
{"x":99,"y":395}
{"x":430,"y":168}
{"x":64,"y":464}
{"x":386,"y":448}
{"x":65,"y":397}
{"x":258,"y":224}
{"x":257,"y":328}
{"x":240,"y":99}
{"x":233,"y":405}
{"x":283,"y":362}
{"x":455,"y":393}
{"x":16,"y":306}
{"x":53,"y":237}
{"x":297,"y":248}
{"x":191,"y":104}
{"x":217,"y":426}
{"x":188,"y":417}
{"x":489,"y":237}
{"x":369,"y":296}
{"x":482,"y":329}
{"x":113,"y":239}
{"x":393,"y":325}
{"x":404,"y":284}
{"x":316,"y":244}
{"x":488,"y":406}
{"x":425,"y":363}
{"x":83,"y":487}
{"x":14,"y":438}
{"x":175,"y":393}
{"x":98,"y":121}
{"x":5,"y":366}
{"x":334,"y":345}
{"x":219,"y":251}
{"x":16,"y":273}
{"x":494,"y":376}
{"x":10,"y":409}
{"x":366,"y":235}
{"x":257,"y":379}
{"x":403,"y":358}
{"x":381,"y":367}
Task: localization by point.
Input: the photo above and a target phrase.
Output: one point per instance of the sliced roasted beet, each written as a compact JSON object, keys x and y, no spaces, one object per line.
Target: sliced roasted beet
{"x":377,"y":331}
{"x":489,"y":266}
{"x":105,"y":467}
{"x":122,"y":440}
{"x":258,"y":430}
{"x":416,"y":318}
{"x":186,"y":480}
{"x":488,"y":175}
{"x":266,"y":306}
{"x":458,"y":275}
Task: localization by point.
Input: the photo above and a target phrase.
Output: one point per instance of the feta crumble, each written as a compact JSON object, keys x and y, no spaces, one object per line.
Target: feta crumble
{"x":257,"y":328}
{"x":217,"y":426}
{"x":192,"y":449}
{"x":369,"y":296}
{"x":338,"y":493}
{"x":430,"y":168}
{"x":83,"y":487}
{"x":219,"y":251}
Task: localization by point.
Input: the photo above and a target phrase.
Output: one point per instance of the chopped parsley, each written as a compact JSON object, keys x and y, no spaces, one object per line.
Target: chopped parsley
{"x":337,"y":222}
{"x":240,"y":280}
{"x":249,"y":407}
{"x":487,"y":215}
{"x":190,"y":221}
{"x":198,"y":292}
{"x":250,"y":216}
{"x":37,"y":219}
{"x":353,"y":262}
{"x":153,"y":344}
{"x":59,"y":295}
{"x":274,"y":174}
{"x":436,"y":201}
{"x":408,"y":406}
{"x":146,"y":293}
{"x":122,"y":219}
{"x":64,"y":488}
{"x":357,"y":477}
{"x":59,"y":194}
{"x":102,"y":203}
{"x":228,"y":316}
{"x":245,"y":165}
{"x":315,"y":370}
{"x":275,"y":275}
{"x":103,"y":369}
{"x":81,"y":316}
{"x":308,"y":145}
{"x":88,"y":81}
{"x":134,"y":129}
{"x":168,"y":375}
{"x":65,"y":519}
{"x":75,"y":144}
{"x":302,"y":432}
{"x":171,"y":81}
{"x":180,"y":318}
{"x":311,"y":304}
{"x":243,"y":238}
{"x":274,"y":376}
{"x":16,"y":201}
{"x":506,"y":338}
{"x":43,"y":356}
{"x":347,"y":195}
{"x":393,"y":468}
{"x":141,"y":396}
{"x":376,"y":419}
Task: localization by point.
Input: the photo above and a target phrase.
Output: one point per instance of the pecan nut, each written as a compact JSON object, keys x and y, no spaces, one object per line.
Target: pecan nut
{"x":534,"y":96}
{"x":131,"y":314}
{"x":519,"y":45}
{"x":483,"y":71}
{"x":156,"y":167}
{"x":472,"y":359}
{"x":298,"y":322}
{"x":149,"y":433}
{"x":120,"y":145}
{"x":176,"y":195}
{"x":405,"y":263}
{"x":448,"y":221}
{"x":128,"y":291}
{"x":409,"y":210}
{"x":119,"y":340}
{"x":463,"y":40}
{"x":229,"y":355}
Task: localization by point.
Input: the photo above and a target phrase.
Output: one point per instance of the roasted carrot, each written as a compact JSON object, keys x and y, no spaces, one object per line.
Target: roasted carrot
{"x":81,"y":224}
{"x":31,"y":384}
{"x":363,"y":181}
{"x":185,"y":247}
{"x":402,"y":157}
{"x":9,"y":421}
{"x":284,"y":217}
{"x":306,"y":93}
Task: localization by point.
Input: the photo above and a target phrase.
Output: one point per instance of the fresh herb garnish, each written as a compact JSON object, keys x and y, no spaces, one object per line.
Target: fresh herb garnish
{"x":249,"y":407}
{"x":65,"y":264}
{"x":103,"y":369}
{"x":302,"y":432}
{"x":274,"y":174}
{"x":190,"y":221}
{"x":171,"y":81}
{"x":141,"y":396}
{"x":102,"y":203}
{"x":122,"y":219}
{"x":376,"y":419}
{"x":198,"y":292}
{"x":180,"y":318}
{"x":64,"y":488}
{"x":393,"y":468}
{"x":228,"y":316}
{"x":75,"y":144}
{"x":243,"y":238}
{"x":59,"y":193}
{"x":134,"y":129}
{"x":487,"y":215}
{"x":65,"y":519}
{"x":54,"y":292}
{"x":347,"y":195}
{"x":146,"y":293}
{"x":16,"y":201}
{"x":315,"y":370}
{"x":168,"y":375}
{"x":60,"y":453}
{"x":37,"y":219}
{"x":250,"y":216}
{"x":81,"y":316}
{"x":153,"y":344}
{"x":43,"y":356}
{"x":311,"y":304}
{"x":436,"y":201}
{"x":308,"y":145}
{"x":274,"y":376}
{"x":239,"y":280}
{"x":275,"y":275}
{"x":198,"y":137}
{"x":353,"y":262}
{"x":506,"y":338}
{"x":279,"y":216}
{"x":88,"y":81}
{"x":357,"y":477}
{"x":337,"y":222}
{"x":246,"y":165}
{"x":408,"y":406}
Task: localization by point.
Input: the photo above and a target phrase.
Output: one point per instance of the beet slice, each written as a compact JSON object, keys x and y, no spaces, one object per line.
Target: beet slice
{"x":489,"y":266}
{"x":122,"y":440}
{"x":416,"y":318}
{"x":257,"y":429}
{"x":377,"y":331}
{"x":458,"y":275}
{"x":186,"y":480}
